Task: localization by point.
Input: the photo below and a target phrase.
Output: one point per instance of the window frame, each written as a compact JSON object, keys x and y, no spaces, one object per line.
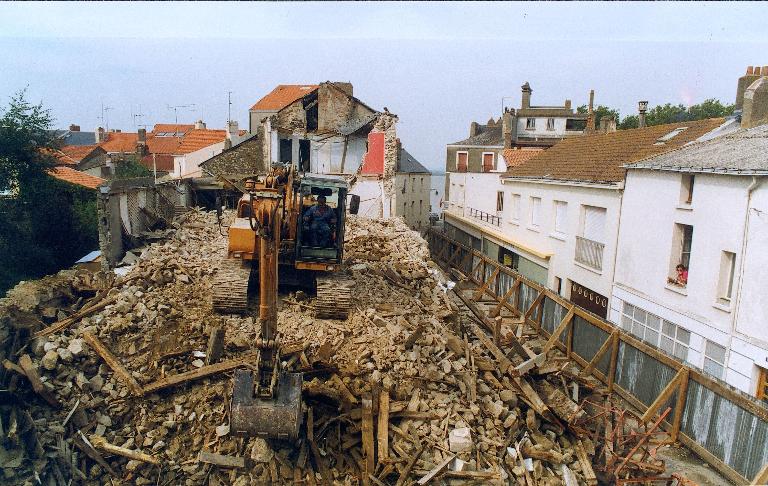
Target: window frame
{"x":555,"y":204}
{"x":687,"y":185}
{"x":550,"y":124}
{"x":707,"y":357}
{"x":530,"y":123}
{"x":515,"y":201}
{"x":534,"y":220}
{"x":726,"y":277}
{"x":668,"y":330}
{"x":679,"y":255}
{"x":493,"y":161}
{"x":466,"y":162}
{"x":499,"y":201}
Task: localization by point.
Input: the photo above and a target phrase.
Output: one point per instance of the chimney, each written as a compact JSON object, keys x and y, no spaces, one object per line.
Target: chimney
{"x":141,"y":142}
{"x":233,"y":132}
{"x":509,"y":127}
{"x":755,"y":111}
{"x":567,"y":104}
{"x":474,"y":129}
{"x":607,"y":124}
{"x":101,"y":135}
{"x":527,"y":91}
{"x":345,"y":87}
{"x":591,"y":112}
{"x":752,"y":75}
{"x":642,"y":107}
{"x":199,"y":125}
{"x":74,"y":128}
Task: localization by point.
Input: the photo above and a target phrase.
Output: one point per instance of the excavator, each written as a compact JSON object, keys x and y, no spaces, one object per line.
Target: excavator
{"x":289,"y":230}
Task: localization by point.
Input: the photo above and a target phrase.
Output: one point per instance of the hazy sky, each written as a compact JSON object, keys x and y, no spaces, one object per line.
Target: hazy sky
{"x":439,"y":66}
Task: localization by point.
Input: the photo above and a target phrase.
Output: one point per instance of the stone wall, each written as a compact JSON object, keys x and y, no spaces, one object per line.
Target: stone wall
{"x":245,"y":158}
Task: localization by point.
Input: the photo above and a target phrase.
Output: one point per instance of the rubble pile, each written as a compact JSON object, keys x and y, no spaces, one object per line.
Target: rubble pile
{"x":117,"y":378}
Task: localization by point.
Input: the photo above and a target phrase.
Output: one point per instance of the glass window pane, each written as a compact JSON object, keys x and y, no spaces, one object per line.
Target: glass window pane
{"x":651,"y":336}
{"x":653,"y":322}
{"x":667,"y":344}
{"x":640,"y":315}
{"x":683,"y":336}
{"x":713,"y":368}
{"x":626,"y":323}
{"x":681,"y":352}
{"x":669,"y":329}
{"x":628,"y":308}
{"x":638,"y":330}
{"x":715,"y":351}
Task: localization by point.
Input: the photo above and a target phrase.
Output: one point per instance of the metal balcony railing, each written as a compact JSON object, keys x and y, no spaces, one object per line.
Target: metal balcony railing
{"x":483,"y":216}
{"x":589,"y":253}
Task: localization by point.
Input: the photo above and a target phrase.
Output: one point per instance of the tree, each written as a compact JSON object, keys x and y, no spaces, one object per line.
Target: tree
{"x":669,"y":113}
{"x":600,"y":112}
{"x":129,"y":168}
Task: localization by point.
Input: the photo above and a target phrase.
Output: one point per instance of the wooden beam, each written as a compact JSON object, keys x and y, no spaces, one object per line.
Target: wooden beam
{"x":104,"y":446}
{"x":479,"y":292}
{"x":113,"y":363}
{"x":532,"y":308}
{"x":682,"y":395}
{"x":366,"y":430}
{"x":199,"y":373}
{"x":383,"y":428}
{"x":403,"y":479}
{"x":613,"y":363}
{"x":600,"y":352}
{"x":586,"y":465}
{"x":28,"y":369}
{"x":761,"y":477}
{"x":221,"y":460}
{"x":324,"y":472}
{"x":667,"y":392}
{"x":436,"y":470}
{"x":505,"y":299}
{"x":76,"y":317}
{"x":558,"y":330}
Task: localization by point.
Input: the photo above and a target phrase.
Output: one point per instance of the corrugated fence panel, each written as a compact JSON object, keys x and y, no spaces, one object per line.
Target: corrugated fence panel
{"x":640,"y":374}
{"x":732,"y":434}
{"x":553,"y":313}
{"x":587,"y":340}
{"x":527,"y":296}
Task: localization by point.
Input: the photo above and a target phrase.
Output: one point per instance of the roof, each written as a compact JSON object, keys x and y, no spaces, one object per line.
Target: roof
{"x":409,"y":165}
{"x":744,"y":152}
{"x":120,"y":142}
{"x":171,"y":128}
{"x":73,"y":176}
{"x":75,"y":138}
{"x":515,"y":157}
{"x":197,"y":139}
{"x":282,"y":96}
{"x":601,"y":157}
{"x":489,"y":137}
{"x":90,"y":257}
{"x":61,"y":157}
{"x":79,"y":152}
{"x":162,"y":162}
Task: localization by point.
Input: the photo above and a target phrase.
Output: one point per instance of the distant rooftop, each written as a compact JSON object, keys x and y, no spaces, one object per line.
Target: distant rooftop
{"x":409,"y":165}
{"x":282,"y":96}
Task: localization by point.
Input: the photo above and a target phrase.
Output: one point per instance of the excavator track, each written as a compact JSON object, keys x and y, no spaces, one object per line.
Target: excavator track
{"x":334,"y":297}
{"x":230,"y":287}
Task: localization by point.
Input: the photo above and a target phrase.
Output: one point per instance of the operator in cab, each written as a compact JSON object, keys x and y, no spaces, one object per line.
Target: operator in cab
{"x":321,"y":220}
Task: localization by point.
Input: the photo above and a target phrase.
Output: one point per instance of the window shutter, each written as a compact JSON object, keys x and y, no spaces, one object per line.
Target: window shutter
{"x":560,"y":210}
{"x":487,"y":162}
{"x":594,"y":224}
{"x":461,"y":162}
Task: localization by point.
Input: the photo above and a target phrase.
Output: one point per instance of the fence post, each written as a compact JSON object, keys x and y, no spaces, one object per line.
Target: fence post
{"x":614,"y":358}
{"x":682,"y":395}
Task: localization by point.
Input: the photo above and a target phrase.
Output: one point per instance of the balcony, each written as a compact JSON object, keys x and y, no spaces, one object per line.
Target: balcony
{"x":483,"y":216}
{"x":589,"y":253}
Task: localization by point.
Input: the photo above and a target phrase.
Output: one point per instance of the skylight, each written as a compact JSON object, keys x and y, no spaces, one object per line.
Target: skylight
{"x":670,"y":135}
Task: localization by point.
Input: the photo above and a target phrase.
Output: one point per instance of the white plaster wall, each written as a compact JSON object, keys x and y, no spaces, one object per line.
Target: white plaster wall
{"x":541,"y":127}
{"x":371,"y":192}
{"x":188,"y":165}
{"x":417,"y":189}
{"x":327,"y":153}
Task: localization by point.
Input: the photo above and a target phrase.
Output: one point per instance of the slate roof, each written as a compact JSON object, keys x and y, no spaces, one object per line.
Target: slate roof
{"x":744,"y":152}
{"x":601,"y":157}
{"x":489,"y":137}
{"x":515,"y":157}
{"x":75,"y":138}
{"x":283,"y":95}
{"x":76,"y":177}
{"x":409,"y":165}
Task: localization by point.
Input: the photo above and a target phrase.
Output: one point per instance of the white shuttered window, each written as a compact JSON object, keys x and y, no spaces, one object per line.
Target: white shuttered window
{"x":535,"y":211}
{"x":594,"y":224}
{"x":561,"y":209}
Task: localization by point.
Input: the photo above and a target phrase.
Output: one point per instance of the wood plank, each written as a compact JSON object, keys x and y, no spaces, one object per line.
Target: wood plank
{"x":682,"y":394}
{"x":199,"y":373}
{"x":113,"y":363}
{"x":479,"y":292}
{"x":403,"y":479}
{"x":613,"y":363}
{"x":324,"y":472}
{"x":559,"y":330}
{"x":215,"y":345}
{"x":366,"y":430}
{"x":76,"y":317}
{"x":28,"y":369}
{"x":586,"y":465}
{"x":220,"y":460}
{"x":505,"y":299}
{"x":761,"y":477}
{"x":101,"y":444}
{"x":660,"y":400}
{"x":436,"y":470}
{"x":383,"y":428}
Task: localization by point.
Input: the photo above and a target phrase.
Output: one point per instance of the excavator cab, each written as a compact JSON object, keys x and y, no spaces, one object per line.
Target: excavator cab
{"x":320,"y":231}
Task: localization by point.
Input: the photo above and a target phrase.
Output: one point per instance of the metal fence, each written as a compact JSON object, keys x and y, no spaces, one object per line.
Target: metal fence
{"x":725,"y":427}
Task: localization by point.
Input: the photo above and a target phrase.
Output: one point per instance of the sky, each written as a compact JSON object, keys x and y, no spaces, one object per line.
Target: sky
{"x":438,"y":66}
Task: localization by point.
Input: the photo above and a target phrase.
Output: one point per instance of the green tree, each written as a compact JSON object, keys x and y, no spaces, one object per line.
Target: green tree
{"x":600,"y":112}
{"x":129,"y":168}
{"x":45,"y":224}
{"x":669,"y":113}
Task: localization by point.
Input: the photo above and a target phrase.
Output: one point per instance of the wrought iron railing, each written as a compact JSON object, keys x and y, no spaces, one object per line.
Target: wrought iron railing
{"x":589,"y":253}
{"x":483,"y":216}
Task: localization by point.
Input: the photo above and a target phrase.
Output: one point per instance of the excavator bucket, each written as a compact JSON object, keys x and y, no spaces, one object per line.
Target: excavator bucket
{"x":276,"y":418}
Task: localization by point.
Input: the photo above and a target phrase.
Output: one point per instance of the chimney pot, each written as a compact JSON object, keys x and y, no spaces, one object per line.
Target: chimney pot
{"x":765,"y":71}
{"x":750,"y":70}
{"x":101,"y":136}
{"x":199,"y":125}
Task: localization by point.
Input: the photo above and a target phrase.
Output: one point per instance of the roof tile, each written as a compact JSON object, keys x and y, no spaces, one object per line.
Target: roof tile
{"x":76,"y":177}
{"x":283,"y":95}
{"x":515,"y":157}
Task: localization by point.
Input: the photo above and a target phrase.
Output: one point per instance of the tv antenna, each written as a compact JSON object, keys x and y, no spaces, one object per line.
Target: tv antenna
{"x":138,"y":116}
{"x":190,"y":107}
{"x":229,"y":107}
{"x":105,"y":115}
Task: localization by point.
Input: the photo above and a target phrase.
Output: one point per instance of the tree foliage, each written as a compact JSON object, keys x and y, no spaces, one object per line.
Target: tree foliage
{"x":129,"y":168}
{"x":46,"y":224}
{"x":600,"y":112}
{"x":669,"y":113}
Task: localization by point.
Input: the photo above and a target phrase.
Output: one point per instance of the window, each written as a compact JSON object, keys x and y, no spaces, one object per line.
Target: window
{"x":499,"y":201}
{"x":654,"y":330}
{"x":594,"y":224}
{"x":572,"y":124}
{"x":686,"y":189}
{"x":714,"y":359}
{"x":561,"y":209}
{"x":530,"y":124}
{"x":535,"y":211}
{"x":412,"y":203}
{"x":421,"y":207}
{"x":488,"y":161}
{"x":515,"y":207}
{"x":762,"y":385}
{"x":461,"y":161}
{"x":550,"y":124}
{"x":725,"y":284}
{"x":681,"y":255}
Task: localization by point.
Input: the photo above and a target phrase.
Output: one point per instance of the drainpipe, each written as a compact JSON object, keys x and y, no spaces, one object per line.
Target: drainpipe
{"x":756,"y":181}
{"x":620,"y":190}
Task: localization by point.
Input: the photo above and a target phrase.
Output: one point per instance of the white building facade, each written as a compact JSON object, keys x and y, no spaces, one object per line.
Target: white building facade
{"x":704,"y":207}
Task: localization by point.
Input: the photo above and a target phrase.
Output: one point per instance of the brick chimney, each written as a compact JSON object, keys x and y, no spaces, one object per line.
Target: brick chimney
{"x":74,"y":128}
{"x":752,"y":75}
{"x":101,"y":135}
{"x":233,"y":133}
{"x":141,"y":143}
{"x":199,"y":125}
{"x":591,"y":112}
{"x":755,"y":110}
{"x":642,"y":106}
{"x":527,"y":91}
{"x":509,"y":127}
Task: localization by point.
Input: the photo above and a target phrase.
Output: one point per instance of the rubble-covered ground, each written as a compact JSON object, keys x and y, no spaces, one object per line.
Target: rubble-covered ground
{"x":403,"y":339}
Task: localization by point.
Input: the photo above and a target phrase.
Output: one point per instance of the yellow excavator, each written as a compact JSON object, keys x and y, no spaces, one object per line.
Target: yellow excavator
{"x":288,"y":230}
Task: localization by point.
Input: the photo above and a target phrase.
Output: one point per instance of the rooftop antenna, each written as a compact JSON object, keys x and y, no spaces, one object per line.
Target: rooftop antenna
{"x":229,"y":107}
{"x":105,"y":115}
{"x":138,"y":117}
{"x":176,"y":108}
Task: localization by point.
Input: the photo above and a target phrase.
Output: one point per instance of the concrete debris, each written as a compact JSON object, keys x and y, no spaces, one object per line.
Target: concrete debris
{"x":403,"y":367}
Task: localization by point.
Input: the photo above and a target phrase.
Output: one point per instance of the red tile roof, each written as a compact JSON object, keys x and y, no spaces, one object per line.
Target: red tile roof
{"x":171,"y":127}
{"x":197,"y":139}
{"x":61,"y":157}
{"x":163,"y":145}
{"x":600,"y":157}
{"x":515,"y":157}
{"x":163,"y":162}
{"x":78,"y":152}
{"x":283,"y":95}
{"x":120,"y":142}
{"x":73,"y":176}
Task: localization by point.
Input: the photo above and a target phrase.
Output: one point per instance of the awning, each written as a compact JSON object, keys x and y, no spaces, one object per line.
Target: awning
{"x":499,"y":236}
